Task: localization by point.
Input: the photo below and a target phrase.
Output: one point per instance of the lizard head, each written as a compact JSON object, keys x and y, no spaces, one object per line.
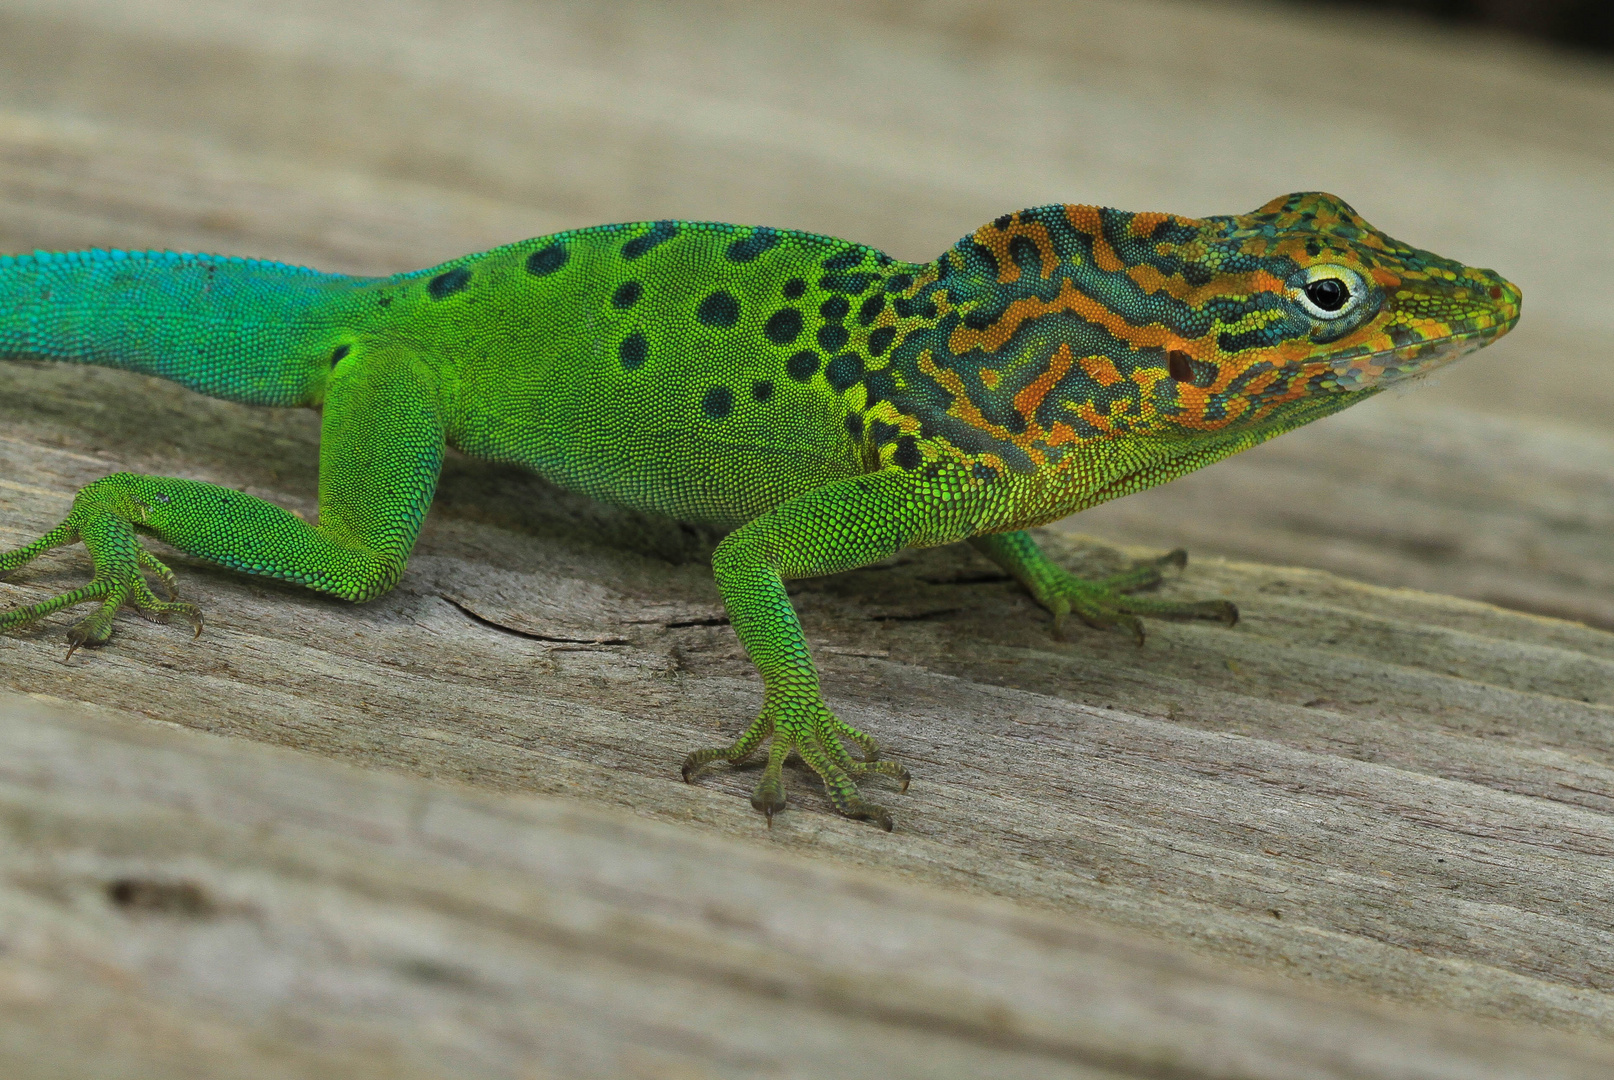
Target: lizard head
{"x":1309,"y":287}
{"x":1068,"y":326}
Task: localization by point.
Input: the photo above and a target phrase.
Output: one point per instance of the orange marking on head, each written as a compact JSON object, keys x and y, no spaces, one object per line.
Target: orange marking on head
{"x":1385,"y":278}
{"x":1062,"y":433}
{"x":991,"y":339}
{"x":1027,"y":401}
{"x":1087,"y":219}
{"x":964,"y":409}
{"x":1086,"y":411}
{"x":997,"y":242}
{"x":1101,"y":369}
{"x":1146,"y":222}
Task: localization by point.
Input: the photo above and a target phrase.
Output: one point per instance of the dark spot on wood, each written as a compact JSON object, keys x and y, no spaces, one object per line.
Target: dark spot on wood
{"x":184,"y":898}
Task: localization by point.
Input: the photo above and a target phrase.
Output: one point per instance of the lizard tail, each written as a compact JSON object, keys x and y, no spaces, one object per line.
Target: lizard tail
{"x":242,"y":329}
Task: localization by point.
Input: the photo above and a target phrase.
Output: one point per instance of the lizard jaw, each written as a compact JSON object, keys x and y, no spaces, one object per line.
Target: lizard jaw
{"x":1382,"y":369}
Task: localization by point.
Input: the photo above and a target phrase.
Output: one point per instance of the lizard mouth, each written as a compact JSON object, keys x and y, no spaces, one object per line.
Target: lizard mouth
{"x":1392,"y":366}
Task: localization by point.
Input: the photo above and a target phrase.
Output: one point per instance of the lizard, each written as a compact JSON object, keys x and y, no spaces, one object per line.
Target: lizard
{"x":827,"y":403}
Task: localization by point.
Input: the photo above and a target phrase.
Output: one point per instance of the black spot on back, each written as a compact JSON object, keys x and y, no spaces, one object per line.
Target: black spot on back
{"x":870,"y":309}
{"x":846,"y":283}
{"x":854,"y":425}
{"x":879,"y":385}
{"x":717,"y":402}
{"x":627,"y":294}
{"x":659,"y":233}
{"x":448,"y":283}
{"x":843,"y":260}
{"x":748,"y":248}
{"x":783,"y":326}
{"x":718,"y":309}
{"x":803,"y":365}
{"x":1003,"y":222}
{"x":547,"y":260}
{"x":880,"y":340}
{"x":914,"y":306}
{"x":843,"y":371}
{"x":634,"y":351}
{"x":907,"y":454}
{"x":835,"y":308}
{"x":832,"y":336}
{"x":898,"y":282}
{"x":794,"y":288}
{"x":341,"y":351}
{"x":762,"y":390}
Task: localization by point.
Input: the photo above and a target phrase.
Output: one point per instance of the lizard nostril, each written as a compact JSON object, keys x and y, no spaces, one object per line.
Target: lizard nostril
{"x":1496,"y":292}
{"x":1179,"y":366}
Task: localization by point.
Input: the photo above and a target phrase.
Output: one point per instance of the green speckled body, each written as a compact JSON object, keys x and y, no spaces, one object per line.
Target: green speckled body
{"x":829,"y":404}
{"x":648,"y":379}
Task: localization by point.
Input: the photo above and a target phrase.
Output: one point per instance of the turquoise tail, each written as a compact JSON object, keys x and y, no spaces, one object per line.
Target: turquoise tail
{"x":241,"y":329}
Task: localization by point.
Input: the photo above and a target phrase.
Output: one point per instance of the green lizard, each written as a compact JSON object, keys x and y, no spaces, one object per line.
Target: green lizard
{"x":829,"y":404}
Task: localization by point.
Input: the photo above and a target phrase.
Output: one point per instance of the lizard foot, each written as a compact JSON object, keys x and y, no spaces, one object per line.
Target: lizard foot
{"x":120,"y":561}
{"x":1107,"y":604}
{"x":802,"y":724}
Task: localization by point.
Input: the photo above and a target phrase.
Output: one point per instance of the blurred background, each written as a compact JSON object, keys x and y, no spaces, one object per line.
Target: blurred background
{"x":379,"y":135}
{"x":1580,"y":24}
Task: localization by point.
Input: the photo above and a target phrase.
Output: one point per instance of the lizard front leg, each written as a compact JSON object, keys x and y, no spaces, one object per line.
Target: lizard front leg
{"x":843,"y":525}
{"x":381,"y":448}
{"x":1102,"y":604}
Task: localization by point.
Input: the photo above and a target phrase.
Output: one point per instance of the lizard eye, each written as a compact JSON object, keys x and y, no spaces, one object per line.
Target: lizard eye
{"x":1328,"y":292}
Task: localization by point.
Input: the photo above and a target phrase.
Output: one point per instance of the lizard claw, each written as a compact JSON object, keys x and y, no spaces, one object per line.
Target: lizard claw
{"x":808,"y":729}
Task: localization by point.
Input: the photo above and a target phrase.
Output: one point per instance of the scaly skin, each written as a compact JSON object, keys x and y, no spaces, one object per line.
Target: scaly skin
{"x":829,"y":404}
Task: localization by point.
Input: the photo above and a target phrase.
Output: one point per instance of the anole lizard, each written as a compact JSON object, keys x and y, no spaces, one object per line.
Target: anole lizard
{"x":829,"y":404}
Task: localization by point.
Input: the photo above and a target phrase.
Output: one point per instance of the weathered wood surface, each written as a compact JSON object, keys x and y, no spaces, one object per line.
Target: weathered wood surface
{"x":1360,"y":788}
{"x":185,"y":906}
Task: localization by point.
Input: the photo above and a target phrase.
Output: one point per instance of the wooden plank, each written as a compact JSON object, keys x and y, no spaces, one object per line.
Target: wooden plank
{"x":180,"y":905}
